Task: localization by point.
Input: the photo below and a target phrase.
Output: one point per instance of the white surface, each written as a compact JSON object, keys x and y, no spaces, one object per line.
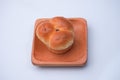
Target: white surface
{"x":17,"y":19}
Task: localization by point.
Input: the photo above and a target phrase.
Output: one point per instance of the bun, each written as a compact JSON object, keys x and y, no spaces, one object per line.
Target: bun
{"x":57,"y":34}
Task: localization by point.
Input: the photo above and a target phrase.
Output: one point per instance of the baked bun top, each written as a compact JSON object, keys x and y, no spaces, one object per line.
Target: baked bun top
{"x":56,"y":33}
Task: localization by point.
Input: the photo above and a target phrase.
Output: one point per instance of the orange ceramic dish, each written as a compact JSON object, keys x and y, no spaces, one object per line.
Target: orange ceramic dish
{"x":76,"y":56}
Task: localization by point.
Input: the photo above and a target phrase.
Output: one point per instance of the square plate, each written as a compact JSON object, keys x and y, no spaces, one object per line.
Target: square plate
{"x":76,"y":56}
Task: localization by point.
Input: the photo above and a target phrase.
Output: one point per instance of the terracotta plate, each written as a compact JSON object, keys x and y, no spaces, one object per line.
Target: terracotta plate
{"x":76,"y":56}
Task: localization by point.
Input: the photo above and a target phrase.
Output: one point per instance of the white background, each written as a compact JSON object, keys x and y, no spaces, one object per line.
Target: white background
{"x":17,"y":19}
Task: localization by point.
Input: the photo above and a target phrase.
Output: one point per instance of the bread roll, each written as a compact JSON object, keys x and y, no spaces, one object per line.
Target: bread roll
{"x":57,"y":34}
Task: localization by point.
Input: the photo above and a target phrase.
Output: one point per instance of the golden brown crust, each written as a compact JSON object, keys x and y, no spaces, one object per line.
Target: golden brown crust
{"x":56,"y":33}
{"x":61,"y":40}
{"x":44,"y":31}
{"x":61,"y":23}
